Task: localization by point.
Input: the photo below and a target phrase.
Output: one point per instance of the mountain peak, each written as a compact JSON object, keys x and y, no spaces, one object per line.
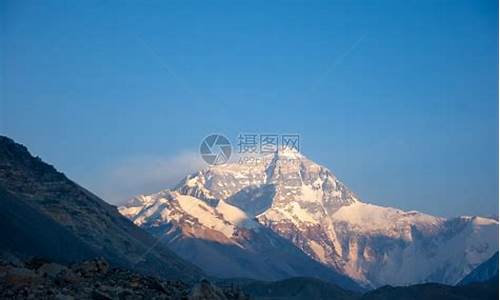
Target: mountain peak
{"x":306,"y":204}
{"x":285,"y":180}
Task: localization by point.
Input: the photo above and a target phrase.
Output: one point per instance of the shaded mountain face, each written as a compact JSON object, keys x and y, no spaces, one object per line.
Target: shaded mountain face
{"x":43,"y":213}
{"x":305,"y":204}
{"x":488,"y":270}
{"x":26,"y":230}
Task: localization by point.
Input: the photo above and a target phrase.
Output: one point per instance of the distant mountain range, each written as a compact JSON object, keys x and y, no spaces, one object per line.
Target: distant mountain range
{"x":256,"y":219}
{"x":48,"y":222}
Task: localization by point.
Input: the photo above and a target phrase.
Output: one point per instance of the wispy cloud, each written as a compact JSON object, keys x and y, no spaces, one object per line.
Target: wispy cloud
{"x":144,"y":174}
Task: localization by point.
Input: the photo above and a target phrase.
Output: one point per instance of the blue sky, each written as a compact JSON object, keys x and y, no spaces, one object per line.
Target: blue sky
{"x":398,"y":98}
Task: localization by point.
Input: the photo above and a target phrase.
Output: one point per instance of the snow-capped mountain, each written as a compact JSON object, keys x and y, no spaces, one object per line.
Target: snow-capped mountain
{"x":223,"y":240}
{"x":287,"y":195}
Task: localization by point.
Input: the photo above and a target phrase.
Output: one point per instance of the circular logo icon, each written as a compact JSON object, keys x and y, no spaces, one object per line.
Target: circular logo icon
{"x":215,"y":149}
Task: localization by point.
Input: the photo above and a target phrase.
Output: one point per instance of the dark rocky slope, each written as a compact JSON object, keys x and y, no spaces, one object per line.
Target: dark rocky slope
{"x":486,"y":271}
{"x":43,"y":213}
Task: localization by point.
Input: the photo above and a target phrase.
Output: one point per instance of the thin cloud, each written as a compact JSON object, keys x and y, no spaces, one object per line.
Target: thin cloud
{"x":145,"y":174}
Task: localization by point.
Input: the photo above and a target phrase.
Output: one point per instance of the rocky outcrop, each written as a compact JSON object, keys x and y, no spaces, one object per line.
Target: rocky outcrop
{"x":96,"y":279}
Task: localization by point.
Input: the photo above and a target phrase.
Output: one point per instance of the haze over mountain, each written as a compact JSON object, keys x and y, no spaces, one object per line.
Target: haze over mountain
{"x":236,"y":208}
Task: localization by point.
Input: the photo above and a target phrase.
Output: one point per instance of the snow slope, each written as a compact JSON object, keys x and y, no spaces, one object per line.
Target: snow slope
{"x":223,"y":240}
{"x":307,"y":205}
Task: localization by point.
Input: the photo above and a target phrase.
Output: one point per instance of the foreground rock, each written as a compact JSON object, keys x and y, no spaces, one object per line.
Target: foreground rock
{"x":95,"y":279}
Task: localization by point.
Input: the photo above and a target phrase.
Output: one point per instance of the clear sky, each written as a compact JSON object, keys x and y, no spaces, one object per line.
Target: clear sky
{"x":398,"y":98}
